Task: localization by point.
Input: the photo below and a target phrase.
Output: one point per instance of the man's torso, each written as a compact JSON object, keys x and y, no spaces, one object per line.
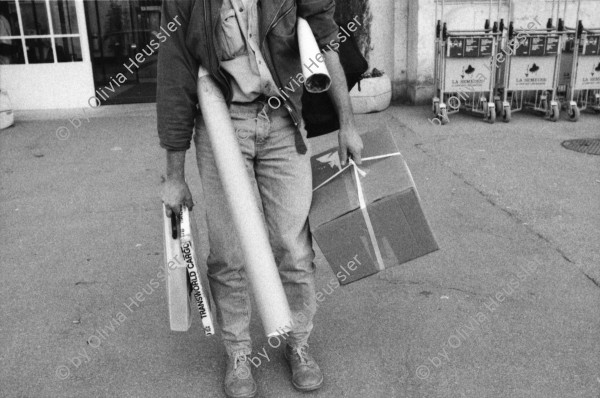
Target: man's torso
{"x":239,"y":52}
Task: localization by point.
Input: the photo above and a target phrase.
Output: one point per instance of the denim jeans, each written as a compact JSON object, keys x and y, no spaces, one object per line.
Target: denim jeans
{"x":283,"y":186}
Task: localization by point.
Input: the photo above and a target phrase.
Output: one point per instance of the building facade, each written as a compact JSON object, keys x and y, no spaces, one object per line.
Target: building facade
{"x":403,"y":32}
{"x":73,"y":53}
{"x":76,"y":53}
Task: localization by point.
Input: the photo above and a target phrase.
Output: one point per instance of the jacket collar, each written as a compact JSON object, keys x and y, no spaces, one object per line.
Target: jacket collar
{"x":271,"y":9}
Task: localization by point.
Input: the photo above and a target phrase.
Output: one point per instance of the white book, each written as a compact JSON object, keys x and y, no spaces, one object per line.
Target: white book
{"x":178,"y":285}
{"x":198,"y":279}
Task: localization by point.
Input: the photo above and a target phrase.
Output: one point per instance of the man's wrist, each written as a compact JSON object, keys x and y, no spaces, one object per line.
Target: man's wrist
{"x":347,"y":125}
{"x":175,"y":165}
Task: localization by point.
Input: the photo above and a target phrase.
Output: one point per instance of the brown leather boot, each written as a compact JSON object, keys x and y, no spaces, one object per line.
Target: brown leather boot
{"x":306,"y":374}
{"x":239,"y":382}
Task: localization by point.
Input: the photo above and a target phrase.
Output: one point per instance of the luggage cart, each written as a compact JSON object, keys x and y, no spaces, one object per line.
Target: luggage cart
{"x":464,"y":76}
{"x":580,"y":70}
{"x":502,"y":43}
{"x":532,"y":64}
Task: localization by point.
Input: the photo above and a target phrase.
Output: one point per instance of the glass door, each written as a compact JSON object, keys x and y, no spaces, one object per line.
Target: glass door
{"x":124,"y":62}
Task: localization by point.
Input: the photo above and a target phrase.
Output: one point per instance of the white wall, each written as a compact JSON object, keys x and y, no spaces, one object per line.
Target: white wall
{"x":51,"y":86}
{"x":402,"y":35}
{"x":412,"y":28}
{"x":382,"y":39}
{"x":400,"y":50}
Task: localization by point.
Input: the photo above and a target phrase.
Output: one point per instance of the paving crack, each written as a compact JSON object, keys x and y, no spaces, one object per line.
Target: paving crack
{"x":512,"y":215}
{"x":435,"y":286}
{"x":595,"y":282}
{"x":495,"y":204}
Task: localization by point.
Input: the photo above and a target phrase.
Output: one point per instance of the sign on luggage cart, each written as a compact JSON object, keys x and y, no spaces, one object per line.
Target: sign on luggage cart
{"x":532,"y":73}
{"x":588,"y":73}
{"x":467,"y":74}
{"x":580,"y":70}
{"x":464,"y":64}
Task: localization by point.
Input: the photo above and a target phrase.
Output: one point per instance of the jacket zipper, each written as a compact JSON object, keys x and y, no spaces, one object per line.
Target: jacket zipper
{"x":213,"y":56}
{"x":276,"y":21}
{"x":269,"y":63}
{"x":208,"y":37}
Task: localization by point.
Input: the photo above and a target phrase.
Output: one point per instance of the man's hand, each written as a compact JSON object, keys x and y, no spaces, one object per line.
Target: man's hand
{"x":175,"y":189}
{"x":350,"y":142}
{"x":175,"y":193}
{"x":350,"y":145}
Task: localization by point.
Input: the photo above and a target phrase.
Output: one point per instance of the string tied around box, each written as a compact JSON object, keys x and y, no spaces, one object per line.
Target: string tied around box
{"x":358,"y":173}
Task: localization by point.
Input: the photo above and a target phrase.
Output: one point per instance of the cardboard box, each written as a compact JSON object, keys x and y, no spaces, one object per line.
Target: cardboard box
{"x":180,"y":254}
{"x":391,"y":223}
{"x":178,"y":285}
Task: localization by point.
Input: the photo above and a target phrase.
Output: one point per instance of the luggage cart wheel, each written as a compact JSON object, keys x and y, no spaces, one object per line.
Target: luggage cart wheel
{"x":554,"y":112}
{"x":499,"y":108}
{"x":544,"y":106}
{"x":436,"y":106}
{"x":444,"y":115}
{"x":506,"y":114}
{"x":574,"y":113}
{"x":490,"y":113}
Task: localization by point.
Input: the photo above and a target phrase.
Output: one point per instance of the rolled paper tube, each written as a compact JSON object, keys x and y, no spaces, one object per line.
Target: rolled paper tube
{"x":316,"y":76}
{"x":260,"y":265}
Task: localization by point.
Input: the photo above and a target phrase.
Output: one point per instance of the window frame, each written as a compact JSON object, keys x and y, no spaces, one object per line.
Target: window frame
{"x":51,"y":35}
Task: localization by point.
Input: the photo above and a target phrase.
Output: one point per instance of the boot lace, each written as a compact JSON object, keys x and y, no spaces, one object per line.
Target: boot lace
{"x":239,"y":358}
{"x":302,"y":353}
{"x":241,"y":372}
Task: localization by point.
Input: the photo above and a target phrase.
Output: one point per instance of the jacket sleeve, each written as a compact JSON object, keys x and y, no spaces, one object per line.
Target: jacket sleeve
{"x":176,"y":96}
{"x":319,"y":15}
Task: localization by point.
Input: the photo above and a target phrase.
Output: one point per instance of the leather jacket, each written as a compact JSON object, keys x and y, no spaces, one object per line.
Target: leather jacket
{"x":193,"y":43}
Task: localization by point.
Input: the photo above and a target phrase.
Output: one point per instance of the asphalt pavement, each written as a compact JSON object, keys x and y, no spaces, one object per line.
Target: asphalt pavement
{"x":508,"y":307}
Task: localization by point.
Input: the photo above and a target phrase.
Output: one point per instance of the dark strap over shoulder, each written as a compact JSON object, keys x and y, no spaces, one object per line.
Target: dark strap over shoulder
{"x":318,"y":111}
